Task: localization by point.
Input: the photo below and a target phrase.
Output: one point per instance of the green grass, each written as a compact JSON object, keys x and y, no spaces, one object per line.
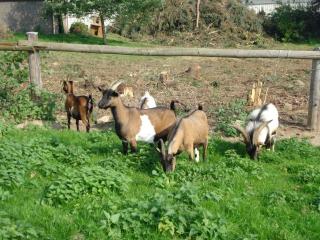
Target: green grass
{"x":112,"y":39}
{"x":117,"y":40}
{"x":69,"y":185}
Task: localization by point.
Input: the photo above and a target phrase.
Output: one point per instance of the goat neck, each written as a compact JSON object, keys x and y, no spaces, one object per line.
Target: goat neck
{"x":120,"y":112}
{"x":175,"y":141}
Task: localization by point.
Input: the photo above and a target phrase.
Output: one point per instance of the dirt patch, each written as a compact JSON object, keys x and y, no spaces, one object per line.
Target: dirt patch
{"x":221,"y":81}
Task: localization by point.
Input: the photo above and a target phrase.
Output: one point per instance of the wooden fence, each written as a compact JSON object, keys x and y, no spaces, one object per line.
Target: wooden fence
{"x":33,"y":47}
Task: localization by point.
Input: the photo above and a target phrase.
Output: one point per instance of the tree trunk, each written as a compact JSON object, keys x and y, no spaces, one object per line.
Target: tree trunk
{"x":60,"y":24}
{"x":104,"y":35}
{"x":198,"y":13}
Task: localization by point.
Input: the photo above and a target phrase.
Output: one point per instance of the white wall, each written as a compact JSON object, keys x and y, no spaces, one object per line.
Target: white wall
{"x":268,"y":8}
{"x":68,"y":20}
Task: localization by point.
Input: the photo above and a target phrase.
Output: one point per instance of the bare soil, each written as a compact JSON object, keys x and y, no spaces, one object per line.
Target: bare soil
{"x":221,"y":81}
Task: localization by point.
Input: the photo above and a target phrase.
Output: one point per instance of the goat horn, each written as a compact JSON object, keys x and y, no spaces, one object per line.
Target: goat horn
{"x":257,"y":131}
{"x":243,"y":133}
{"x":115,"y":84}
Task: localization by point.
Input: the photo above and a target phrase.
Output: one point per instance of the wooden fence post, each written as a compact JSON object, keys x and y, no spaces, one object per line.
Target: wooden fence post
{"x":34,"y":62}
{"x":314,"y":96}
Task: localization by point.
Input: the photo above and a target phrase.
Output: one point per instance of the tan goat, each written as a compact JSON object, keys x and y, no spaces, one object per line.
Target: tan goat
{"x":188,"y":134}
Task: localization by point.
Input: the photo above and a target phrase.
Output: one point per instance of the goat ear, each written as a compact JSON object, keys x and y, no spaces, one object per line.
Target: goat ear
{"x":100,"y":89}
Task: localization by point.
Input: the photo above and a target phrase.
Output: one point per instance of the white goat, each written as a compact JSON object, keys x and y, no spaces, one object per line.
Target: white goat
{"x":147,"y":101}
{"x":262,"y":124}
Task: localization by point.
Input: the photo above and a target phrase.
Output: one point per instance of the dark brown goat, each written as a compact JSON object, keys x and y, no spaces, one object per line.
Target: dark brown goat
{"x":77,"y":107}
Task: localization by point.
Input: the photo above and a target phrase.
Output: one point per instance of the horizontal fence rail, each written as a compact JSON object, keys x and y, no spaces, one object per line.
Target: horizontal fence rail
{"x":24,"y":45}
{"x":33,"y":46}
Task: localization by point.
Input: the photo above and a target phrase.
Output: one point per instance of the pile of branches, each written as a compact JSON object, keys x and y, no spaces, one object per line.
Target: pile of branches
{"x":176,"y":20}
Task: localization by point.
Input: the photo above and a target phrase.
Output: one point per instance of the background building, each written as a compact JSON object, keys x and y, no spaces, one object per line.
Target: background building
{"x":269,"y":6}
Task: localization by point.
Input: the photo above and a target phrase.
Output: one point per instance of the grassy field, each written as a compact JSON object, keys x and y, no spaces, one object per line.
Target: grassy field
{"x":112,"y":39}
{"x":69,"y":185}
{"x":117,"y":40}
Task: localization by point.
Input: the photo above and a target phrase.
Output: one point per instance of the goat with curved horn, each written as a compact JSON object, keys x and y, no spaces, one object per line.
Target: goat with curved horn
{"x":115,"y":84}
{"x":243,"y":132}
{"x":260,"y":130}
{"x":134,"y":124}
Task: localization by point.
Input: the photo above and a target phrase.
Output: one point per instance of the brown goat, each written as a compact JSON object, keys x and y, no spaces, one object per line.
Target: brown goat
{"x":77,"y":107}
{"x":133,"y":124}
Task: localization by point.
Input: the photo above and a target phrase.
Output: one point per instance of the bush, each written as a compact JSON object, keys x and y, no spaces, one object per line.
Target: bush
{"x":178,"y":215}
{"x":16,"y":229}
{"x":87,"y":180}
{"x":290,"y":24}
{"x":226,"y":116}
{"x":16,"y":102}
{"x":79,"y":28}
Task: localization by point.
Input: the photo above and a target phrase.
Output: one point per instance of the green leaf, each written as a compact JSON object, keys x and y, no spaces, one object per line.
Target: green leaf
{"x":115,"y":218}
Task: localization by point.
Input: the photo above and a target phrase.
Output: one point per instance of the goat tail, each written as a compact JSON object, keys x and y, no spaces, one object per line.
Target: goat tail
{"x":173,"y":106}
{"x":144,"y":102}
{"x":200,"y":107}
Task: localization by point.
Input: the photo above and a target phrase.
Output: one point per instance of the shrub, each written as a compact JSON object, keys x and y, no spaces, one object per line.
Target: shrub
{"x":177,"y":214}
{"x":11,"y":229}
{"x":79,"y":28}
{"x":309,"y":174}
{"x":16,"y":102}
{"x":17,"y":158}
{"x":227,"y":115}
{"x":290,"y":24}
{"x":75,"y":183}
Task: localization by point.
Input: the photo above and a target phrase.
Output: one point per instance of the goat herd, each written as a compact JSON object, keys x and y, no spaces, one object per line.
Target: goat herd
{"x":153,"y":124}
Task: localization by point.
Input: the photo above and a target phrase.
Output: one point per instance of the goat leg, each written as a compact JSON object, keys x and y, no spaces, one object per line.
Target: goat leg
{"x":196,"y":154}
{"x":77,"y":123}
{"x":125,"y":146}
{"x":69,"y":119}
{"x":190,"y":150}
{"x":273,"y":143}
{"x":205,"y":147}
{"x":133,"y":146}
{"x":86,"y":122}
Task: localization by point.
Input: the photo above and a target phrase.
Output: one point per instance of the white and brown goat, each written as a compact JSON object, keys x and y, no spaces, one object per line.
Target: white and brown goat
{"x":188,"y":134}
{"x":77,"y":107}
{"x":133,"y":124}
{"x":147,"y":101}
{"x":261,"y":128}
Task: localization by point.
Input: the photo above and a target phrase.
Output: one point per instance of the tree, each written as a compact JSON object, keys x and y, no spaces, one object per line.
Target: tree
{"x":316,"y":4}
{"x":198,"y":13}
{"x":56,"y":9}
{"x":105,"y":9}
